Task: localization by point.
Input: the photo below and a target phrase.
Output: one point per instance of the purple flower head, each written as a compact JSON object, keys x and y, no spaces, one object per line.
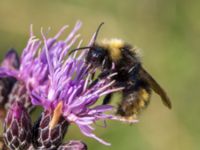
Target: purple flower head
{"x":65,"y":91}
{"x":33,"y":70}
{"x":11,"y":60}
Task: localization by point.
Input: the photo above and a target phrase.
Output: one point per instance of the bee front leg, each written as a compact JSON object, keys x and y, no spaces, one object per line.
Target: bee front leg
{"x":107,"y":99}
{"x":102,"y":75}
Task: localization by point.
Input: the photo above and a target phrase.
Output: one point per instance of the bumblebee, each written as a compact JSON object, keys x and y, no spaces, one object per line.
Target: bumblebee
{"x":137,"y":82}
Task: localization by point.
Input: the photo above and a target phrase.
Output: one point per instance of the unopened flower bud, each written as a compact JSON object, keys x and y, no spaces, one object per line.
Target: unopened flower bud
{"x":17,"y":128}
{"x":47,"y":136}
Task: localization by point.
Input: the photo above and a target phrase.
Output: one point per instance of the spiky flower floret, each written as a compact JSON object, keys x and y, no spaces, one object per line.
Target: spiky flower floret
{"x":17,"y":128}
{"x":11,"y":60}
{"x":73,"y":145}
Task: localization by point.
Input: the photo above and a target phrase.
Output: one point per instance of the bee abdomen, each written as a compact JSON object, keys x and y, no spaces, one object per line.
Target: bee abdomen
{"x":134,"y":102}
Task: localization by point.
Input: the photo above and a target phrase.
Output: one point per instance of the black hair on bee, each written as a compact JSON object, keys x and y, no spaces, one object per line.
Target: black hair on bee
{"x":137,"y":82}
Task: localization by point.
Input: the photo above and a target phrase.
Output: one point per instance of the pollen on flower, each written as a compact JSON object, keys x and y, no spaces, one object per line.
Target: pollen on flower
{"x":57,"y":113}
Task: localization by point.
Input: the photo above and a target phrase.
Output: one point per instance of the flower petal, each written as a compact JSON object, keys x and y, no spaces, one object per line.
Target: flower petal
{"x":11,"y":60}
{"x":86,"y":130}
{"x":5,"y":72}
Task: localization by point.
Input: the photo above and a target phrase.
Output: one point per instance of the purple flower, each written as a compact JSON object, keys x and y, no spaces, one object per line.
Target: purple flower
{"x":65,"y":90}
{"x":11,"y":60}
{"x":60,"y":83}
{"x":34,"y":70}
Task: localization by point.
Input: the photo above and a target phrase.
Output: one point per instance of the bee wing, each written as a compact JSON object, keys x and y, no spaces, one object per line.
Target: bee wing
{"x":156,"y":87}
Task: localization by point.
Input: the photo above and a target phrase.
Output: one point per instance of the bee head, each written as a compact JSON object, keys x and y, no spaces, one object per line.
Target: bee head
{"x":96,"y":55}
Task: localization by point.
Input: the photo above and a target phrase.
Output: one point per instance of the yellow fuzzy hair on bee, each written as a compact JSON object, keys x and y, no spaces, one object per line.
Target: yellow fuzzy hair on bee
{"x":113,"y":46}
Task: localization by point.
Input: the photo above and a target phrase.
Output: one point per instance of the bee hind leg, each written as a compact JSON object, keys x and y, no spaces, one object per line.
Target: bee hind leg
{"x":133,"y":102}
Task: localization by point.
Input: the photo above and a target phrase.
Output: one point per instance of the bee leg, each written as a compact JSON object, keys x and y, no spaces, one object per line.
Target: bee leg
{"x":101,"y":76}
{"x":134,"y":101}
{"x":107,"y":99}
{"x":92,"y":76}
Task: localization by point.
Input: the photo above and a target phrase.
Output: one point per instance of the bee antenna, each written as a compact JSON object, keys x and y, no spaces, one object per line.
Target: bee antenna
{"x":87,"y":47}
{"x":97,"y":32}
{"x":77,"y":49}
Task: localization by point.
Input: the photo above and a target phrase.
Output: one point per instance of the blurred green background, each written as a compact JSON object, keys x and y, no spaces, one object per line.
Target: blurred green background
{"x":168,"y":33}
